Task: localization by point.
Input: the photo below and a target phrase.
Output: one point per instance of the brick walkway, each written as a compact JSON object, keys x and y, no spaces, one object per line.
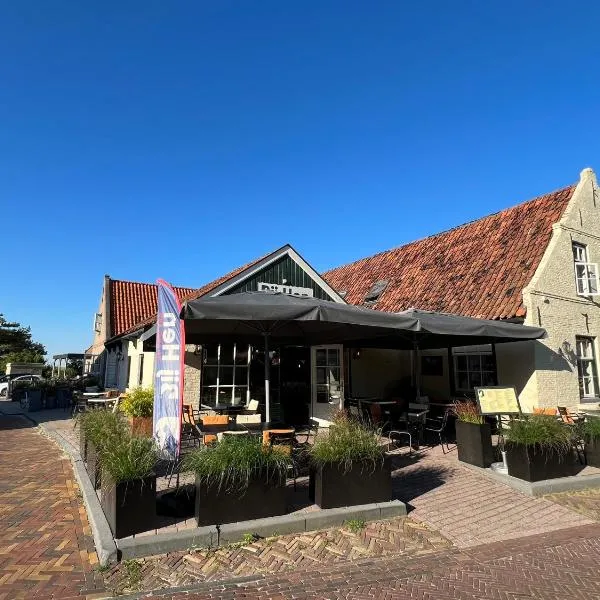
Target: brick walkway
{"x":558,"y":566}
{"x":46,"y":548}
{"x":471,"y":509}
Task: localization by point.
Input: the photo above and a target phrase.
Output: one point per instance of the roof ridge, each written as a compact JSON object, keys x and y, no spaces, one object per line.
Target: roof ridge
{"x":150,"y":284}
{"x":450,"y":229}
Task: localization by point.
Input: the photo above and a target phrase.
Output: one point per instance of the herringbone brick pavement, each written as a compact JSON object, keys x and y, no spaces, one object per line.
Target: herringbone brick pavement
{"x":400,"y":537}
{"x":46,"y":547}
{"x":562,"y":565}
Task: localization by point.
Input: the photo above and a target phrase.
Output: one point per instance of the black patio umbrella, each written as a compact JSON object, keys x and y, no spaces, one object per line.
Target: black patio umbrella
{"x":261,"y":317}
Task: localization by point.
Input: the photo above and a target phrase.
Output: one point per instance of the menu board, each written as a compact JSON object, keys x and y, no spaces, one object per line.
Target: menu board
{"x":497,"y":400}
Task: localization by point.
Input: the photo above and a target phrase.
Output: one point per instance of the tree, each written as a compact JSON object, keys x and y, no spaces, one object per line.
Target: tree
{"x":16,"y":344}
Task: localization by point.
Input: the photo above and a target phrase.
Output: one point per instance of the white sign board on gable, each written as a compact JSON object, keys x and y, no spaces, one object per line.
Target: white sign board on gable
{"x":290,"y":290}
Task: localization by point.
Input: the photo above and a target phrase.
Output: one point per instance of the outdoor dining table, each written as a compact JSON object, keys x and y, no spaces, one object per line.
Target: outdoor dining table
{"x":97,"y":402}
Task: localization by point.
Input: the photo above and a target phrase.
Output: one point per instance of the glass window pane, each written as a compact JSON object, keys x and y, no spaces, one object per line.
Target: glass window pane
{"x":487,"y":362}
{"x":241,"y":375}
{"x":239,"y":395}
{"x":241,"y":354}
{"x":592,"y":279}
{"x":333,"y":357}
{"x":210,"y":354}
{"x":321,"y":375}
{"x":321,"y":357}
{"x":474,"y":362}
{"x":225,"y":375}
{"x":210,"y":376}
{"x":322,"y":394}
{"x":226,"y":357}
{"x":462,"y":381}
{"x":488,"y":378}
{"x":224,"y":396}
{"x":209,"y":396}
{"x":475,"y":380}
{"x":461,"y":363}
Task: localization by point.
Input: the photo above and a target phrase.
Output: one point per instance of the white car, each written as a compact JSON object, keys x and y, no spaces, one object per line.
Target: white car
{"x":7,"y":380}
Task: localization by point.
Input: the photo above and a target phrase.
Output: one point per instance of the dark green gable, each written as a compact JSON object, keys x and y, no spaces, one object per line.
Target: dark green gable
{"x":284,"y":268}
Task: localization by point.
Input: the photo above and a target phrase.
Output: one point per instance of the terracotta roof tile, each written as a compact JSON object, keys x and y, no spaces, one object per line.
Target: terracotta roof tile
{"x":134,"y":305}
{"x":478,"y":269}
{"x":132,"y":302}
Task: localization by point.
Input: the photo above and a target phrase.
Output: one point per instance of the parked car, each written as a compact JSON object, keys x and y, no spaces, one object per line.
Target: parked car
{"x":10,"y":380}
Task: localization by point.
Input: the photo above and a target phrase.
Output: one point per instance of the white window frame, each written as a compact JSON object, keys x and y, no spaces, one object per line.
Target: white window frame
{"x":218,"y":387}
{"x":587,"y":389}
{"x":586,"y":273}
{"x":483,"y":350}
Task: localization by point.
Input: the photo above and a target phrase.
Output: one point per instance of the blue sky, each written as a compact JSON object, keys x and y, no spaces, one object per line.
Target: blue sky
{"x":182,"y":139}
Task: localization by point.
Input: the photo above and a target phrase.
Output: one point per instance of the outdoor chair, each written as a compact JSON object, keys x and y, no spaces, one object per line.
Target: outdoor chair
{"x":395,"y":434}
{"x":310,"y":430}
{"x":78,"y":405}
{"x":249,"y":422}
{"x":568,"y":417}
{"x":437,"y":426}
{"x":286,"y":442}
{"x":211,"y":425}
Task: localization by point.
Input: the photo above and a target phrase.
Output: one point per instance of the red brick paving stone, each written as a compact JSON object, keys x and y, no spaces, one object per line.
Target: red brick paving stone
{"x":563,"y":565}
{"x":469,"y":508}
{"x":46,"y":547}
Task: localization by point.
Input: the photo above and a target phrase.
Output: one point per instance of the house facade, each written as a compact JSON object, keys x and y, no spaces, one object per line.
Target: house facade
{"x":534,"y":263}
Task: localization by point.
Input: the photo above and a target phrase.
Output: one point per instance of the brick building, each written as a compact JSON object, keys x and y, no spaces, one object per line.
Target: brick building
{"x":533,"y":263}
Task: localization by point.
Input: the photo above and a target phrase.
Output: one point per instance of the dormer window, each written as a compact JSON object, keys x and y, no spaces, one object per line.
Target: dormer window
{"x":376,"y":290}
{"x":586,"y":273}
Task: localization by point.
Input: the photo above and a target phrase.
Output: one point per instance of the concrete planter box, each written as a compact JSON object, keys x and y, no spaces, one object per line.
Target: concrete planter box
{"x":141,"y":426}
{"x":262,"y":498}
{"x":592,"y":452}
{"x":129,"y":506}
{"x":531,"y":464}
{"x":474,"y":443}
{"x":362,"y":484}
{"x":92,"y":464}
{"x":34,"y":398}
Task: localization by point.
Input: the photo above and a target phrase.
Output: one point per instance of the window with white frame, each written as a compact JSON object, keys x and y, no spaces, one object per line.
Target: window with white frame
{"x":586,"y":367}
{"x":474,"y":366}
{"x":225,"y":374}
{"x":586,"y":273}
{"x":141,"y":370}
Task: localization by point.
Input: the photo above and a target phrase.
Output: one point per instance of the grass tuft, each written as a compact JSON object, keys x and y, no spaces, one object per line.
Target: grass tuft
{"x":348,"y":441}
{"x":543,"y":432}
{"x":232,"y":463}
{"x":467,"y":411}
{"x":128,"y":457}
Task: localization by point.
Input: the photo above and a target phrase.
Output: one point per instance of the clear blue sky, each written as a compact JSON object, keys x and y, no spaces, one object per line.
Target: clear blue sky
{"x":181,"y":139}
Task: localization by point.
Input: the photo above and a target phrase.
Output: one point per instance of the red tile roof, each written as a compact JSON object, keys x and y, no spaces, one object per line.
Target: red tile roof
{"x":478,"y":269}
{"x":132,"y":302}
{"x":134,"y":305}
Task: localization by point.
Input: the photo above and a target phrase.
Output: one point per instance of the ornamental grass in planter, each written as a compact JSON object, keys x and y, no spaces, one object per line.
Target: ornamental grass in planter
{"x":539,"y":447}
{"x":128,"y":496}
{"x":96,"y":429}
{"x":589,"y":430}
{"x":349,"y":466}
{"x":238,"y":479}
{"x":137,"y":406}
{"x":473,"y":435}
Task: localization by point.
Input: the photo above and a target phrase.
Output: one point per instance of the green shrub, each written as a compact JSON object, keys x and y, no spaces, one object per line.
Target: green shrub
{"x":127,"y":458}
{"x":348,"y":441}
{"x":467,"y":411}
{"x":100,"y":426}
{"x":543,"y":432}
{"x":235,"y":461}
{"x":139,"y":402}
{"x":590,"y":428}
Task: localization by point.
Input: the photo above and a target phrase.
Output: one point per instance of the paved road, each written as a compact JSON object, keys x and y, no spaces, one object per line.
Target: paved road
{"x":562,"y":565}
{"x":46,"y":548}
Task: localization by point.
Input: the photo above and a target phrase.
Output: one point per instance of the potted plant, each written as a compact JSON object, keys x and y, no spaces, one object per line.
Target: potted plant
{"x":96,"y":429}
{"x":473,"y":435}
{"x":138,"y":405}
{"x":539,"y":447}
{"x":128,"y":495}
{"x":349,"y":466}
{"x":589,"y":431}
{"x":238,"y":479}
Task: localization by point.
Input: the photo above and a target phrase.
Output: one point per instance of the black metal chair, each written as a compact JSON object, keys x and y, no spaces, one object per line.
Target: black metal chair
{"x":438,"y":426}
{"x":305,"y":432}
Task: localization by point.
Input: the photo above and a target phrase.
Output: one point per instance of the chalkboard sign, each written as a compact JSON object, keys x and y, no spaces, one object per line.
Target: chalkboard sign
{"x":497,"y":400}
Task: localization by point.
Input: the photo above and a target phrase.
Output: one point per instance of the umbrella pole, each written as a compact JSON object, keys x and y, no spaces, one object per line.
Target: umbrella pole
{"x":267,"y":380}
{"x":416,"y":370}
